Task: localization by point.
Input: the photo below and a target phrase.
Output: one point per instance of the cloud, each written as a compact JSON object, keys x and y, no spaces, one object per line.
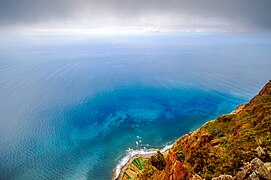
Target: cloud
{"x":165,"y":14}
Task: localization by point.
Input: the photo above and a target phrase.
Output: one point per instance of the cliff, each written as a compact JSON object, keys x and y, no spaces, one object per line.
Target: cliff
{"x":233,"y":146}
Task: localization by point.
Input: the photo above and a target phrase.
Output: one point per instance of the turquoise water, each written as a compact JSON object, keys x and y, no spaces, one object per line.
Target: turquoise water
{"x":71,"y":106}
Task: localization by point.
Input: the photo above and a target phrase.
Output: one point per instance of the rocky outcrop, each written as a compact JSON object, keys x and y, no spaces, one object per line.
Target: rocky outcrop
{"x":224,"y":177}
{"x":245,"y":171}
{"x":158,"y":161}
{"x":256,"y":169}
{"x":234,"y":146}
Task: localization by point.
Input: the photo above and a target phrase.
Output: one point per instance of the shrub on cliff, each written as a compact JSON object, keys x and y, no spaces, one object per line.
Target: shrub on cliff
{"x":180,"y":156}
{"x":158,"y":161}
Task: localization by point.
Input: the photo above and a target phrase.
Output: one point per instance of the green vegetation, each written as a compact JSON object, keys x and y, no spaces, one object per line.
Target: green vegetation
{"x":225,"y":117}
{"x":180,"y":156}
{"x":137,"y":163}
{"x":127,"y":176}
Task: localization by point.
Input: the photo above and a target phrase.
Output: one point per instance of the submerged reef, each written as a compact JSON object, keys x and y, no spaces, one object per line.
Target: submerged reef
{"x":233,"y":146}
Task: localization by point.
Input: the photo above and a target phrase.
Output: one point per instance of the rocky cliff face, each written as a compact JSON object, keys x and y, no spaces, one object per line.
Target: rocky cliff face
{"x":234,"y":146}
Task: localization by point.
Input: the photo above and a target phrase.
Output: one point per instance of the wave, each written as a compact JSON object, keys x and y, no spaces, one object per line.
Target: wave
{"x":130,"y":153}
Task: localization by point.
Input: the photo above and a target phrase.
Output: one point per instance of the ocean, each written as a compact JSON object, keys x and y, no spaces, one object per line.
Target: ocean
{"x":73,"y":106}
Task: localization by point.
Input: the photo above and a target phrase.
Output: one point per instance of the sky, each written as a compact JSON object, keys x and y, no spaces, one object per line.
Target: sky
{"x":81,"y":16}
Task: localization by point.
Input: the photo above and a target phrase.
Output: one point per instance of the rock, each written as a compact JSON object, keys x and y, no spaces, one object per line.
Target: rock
{"x":256,"y":163}
{"x":224,"y":177}
{"x":260,"y":152}
{"x":215,"y":142}
{"x":241,"y":175}
{"x":264,"y":171}
{"x":268,"y":166}
{"x":245,"y":171}
{"x":196,"y":177}
{"x":158,"y":161}
{"x":254,"y":176}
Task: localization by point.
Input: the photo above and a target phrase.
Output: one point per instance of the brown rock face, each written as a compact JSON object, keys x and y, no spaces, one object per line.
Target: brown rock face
{"x":175,"y":169}
{"x":260,"y":152}
{"x":245,"y":171}
{"x":256,"y":169}
{"x":224,"y":177}
{"x":158,"y":161}
{"x":254,"y":176}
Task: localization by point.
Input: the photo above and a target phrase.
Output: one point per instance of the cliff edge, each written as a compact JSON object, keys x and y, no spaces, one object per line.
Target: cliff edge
{"x":233,"y":146}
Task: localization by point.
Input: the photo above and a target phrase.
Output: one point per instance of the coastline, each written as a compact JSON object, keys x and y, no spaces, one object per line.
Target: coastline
{"x":232,"y":146}
{"x":133,"y":154}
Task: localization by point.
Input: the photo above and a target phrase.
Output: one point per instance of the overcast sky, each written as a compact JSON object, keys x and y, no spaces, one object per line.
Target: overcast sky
{"x":167,"y":15}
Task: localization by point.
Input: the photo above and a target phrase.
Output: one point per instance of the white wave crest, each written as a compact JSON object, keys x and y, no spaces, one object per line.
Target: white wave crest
{"x":131,"y":153}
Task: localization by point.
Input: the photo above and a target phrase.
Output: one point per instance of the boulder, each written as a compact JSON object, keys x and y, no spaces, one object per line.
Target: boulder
{"x":158,"y":161}
{"x":260,"y":152}
{"x":256,"y":163}
{"x":268,"y":166}
{"x":245,"y":171}
{"x":261,"y":168}
{"x":196,"y":177}
{"x":254,"y":176}
{"x":224,"y":177}
{"x":264,"y":171}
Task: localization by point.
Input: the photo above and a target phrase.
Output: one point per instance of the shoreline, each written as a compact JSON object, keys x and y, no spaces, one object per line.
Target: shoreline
{"x":146,"y":153}
{"x":133,"y":154}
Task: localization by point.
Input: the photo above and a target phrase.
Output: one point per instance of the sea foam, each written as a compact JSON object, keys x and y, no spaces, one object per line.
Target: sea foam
{"x":130,"y":153}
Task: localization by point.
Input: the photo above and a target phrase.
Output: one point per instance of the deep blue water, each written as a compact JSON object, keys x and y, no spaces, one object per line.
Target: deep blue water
{"x":70,"y":106}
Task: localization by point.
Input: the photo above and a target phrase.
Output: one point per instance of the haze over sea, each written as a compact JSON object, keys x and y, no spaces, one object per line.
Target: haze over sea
{"x":71,"y":106}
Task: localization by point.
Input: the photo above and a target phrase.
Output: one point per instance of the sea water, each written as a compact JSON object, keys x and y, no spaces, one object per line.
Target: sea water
{"x":71,"y":107}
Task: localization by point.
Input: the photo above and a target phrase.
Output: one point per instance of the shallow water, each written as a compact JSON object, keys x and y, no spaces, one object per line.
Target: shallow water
{"x":71,"y":106}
